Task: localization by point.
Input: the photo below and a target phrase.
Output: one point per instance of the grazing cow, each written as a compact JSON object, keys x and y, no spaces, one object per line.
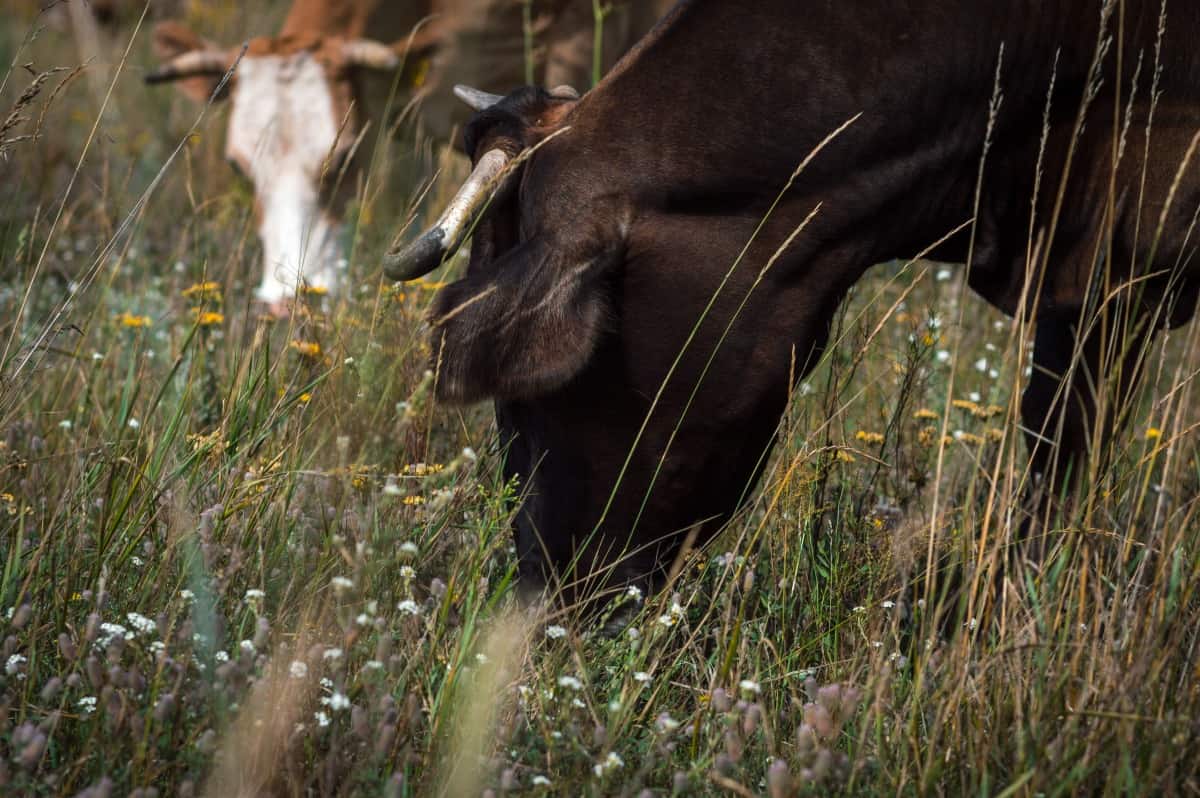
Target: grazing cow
{"x":637,"y":327}
{"x":291,"y":124}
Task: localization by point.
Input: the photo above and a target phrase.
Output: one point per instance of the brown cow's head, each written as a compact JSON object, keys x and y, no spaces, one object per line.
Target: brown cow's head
{"x":528,"y":315}
{"x":291,"y":127}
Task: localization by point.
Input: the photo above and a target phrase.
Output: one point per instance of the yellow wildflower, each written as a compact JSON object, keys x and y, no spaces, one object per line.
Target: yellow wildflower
{"x":414,"y":500}
{"x":314,"y":290}
{"x":207,"y":318}
{"x":210,"y":289}
{"x":925,"y":414}
{"x":844,"y":456}
{"x":423,"y":469}
{"x":969,"y":438}
{"x":304,"y":397}
{"x":987,"y":412}
{"x":869,"y":437}
{"x":306,"y":348}
{"x":926,"y":436}
{"x":994,"y":434}
{"x":132,"y":321}
{"x":1153,"y":434}
{"x":966,"y":404}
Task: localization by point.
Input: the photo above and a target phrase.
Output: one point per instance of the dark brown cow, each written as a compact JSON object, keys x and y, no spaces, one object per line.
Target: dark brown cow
{"x":618,"y":238}
{"x":291,"y":122}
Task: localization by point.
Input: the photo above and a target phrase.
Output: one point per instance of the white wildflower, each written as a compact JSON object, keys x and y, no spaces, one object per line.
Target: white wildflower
{"x":247,"y":647}
{"x":373,"y":665}
{"x":668,"y":620}
{"x":298,"y":669}
{"x":408,"y":547}
{"x":137,"y":561}
{"x":981,"y":364}
{"x":87,"y":704}
{"x":540,"y":781}
{"x":321,"y":718}
{"x":332,"y":654}
{"x":141,"y":623}
{"x":749,"y":686}
{"x":943,"y":275}
{"x":254,"y":594}
{"x":642,"y":676}
{"x":942,"y":356}
{"x":13,"y":666}
{"x":634,"y":592}
{"x":134,"y":423}
{"x":407,"y":572}
{"x":887,"y":605}
{"x":611,"y":762}
{"x":221,"y":656}
{"x":341,"y":583}
{"x":974,"y":396}
{"x":158,"y":646}
{"x":571,"y":682}
{"x":339,"y":702}
{"x":409,"y":606}
{"x":554,"y":632}
{"x":187,"y":595}
{"x":666,"y":723}
{"x":363,"y":619}
{"x":469,"y":454}
{"x":110,"y":632}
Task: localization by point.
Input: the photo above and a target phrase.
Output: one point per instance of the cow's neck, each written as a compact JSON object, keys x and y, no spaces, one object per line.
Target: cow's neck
{"x":384,"y":20}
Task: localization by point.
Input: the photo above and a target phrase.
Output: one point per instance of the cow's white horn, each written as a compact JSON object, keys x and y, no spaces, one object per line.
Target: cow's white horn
{"x":370,"y":54}
{"x":191,"y":64}
{"x":426,"y":253}
{"x":478,"y":100}
{"x":565,"y":92}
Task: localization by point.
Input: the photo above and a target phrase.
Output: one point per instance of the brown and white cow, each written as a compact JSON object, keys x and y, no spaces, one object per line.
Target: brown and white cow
{"x":297,"y":105}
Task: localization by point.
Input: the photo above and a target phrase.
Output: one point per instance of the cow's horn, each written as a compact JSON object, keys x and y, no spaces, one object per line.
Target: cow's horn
{"x":443,"y":239}
{"x":478,"y":100}
{"x":565,"y":92}
{"x":370,"y":54}
{"x":191,"y":64}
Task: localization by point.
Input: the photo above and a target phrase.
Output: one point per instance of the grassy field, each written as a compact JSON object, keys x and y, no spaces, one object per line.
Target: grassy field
{"x":245,"y":556}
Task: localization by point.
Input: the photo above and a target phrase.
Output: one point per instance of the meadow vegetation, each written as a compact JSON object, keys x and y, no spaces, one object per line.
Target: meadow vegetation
{"x":250,"y":556}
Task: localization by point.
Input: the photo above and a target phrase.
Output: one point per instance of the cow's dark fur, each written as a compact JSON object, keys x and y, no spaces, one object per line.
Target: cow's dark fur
{"x":587,"y":280}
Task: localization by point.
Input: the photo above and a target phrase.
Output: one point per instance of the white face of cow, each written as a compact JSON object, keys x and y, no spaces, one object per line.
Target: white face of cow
{"x":283,"y":135}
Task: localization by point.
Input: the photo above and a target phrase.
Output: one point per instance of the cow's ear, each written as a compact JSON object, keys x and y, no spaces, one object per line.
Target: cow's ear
{"x":173,"y":39}
{"x":528,"y":324}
